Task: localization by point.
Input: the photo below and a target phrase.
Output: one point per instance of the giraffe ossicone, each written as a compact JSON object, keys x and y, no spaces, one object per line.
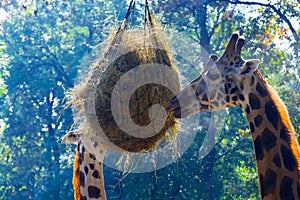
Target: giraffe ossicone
{"x":232,"y":81}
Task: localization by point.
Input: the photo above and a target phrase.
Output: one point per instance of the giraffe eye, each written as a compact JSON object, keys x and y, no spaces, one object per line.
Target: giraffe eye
{"x":213,"y":74}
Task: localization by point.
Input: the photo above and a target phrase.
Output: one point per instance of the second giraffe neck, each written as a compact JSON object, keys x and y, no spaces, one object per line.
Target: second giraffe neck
{"x":88,"y":179}
{"x":276,"y":146}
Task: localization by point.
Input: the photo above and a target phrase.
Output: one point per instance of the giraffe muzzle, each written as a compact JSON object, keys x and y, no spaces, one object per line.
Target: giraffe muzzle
{"x":174,"y":106}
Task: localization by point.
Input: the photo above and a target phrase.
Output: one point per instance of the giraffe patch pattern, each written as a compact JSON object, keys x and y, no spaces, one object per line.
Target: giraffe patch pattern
{"x":272,"y":114}
{"x":286,"y":192}
{"x":254,"y":102}
{"x":268,"y":183}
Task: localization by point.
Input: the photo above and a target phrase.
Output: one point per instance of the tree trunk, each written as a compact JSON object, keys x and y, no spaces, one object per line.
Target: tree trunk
{"x":53,"y":152}
{"x":204,"y":36}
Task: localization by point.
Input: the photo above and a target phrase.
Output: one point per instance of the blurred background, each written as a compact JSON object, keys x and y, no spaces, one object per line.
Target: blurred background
{"x":42,"y":46}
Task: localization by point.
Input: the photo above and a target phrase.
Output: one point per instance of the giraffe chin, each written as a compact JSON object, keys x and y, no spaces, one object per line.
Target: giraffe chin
{"x":182,"y":114}
{"x":178,"y":112}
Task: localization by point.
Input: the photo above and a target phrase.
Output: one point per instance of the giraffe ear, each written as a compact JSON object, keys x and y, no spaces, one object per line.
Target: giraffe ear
{"x":249,"y":67}
{"x":212,"y":60}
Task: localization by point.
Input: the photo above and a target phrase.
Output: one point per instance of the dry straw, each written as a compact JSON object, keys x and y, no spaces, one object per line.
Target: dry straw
{"x":94,"y":121}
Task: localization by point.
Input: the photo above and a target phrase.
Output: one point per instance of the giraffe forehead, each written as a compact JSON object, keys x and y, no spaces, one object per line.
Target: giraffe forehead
{"x":221,"y":70}
{"x":230,"y":65}
{"x":230,"y":62}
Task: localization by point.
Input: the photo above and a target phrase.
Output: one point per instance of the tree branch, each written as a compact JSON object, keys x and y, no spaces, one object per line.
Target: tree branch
{"x":277,"y":11}
{"x":216,"y":23}
{"x":59,"y":69}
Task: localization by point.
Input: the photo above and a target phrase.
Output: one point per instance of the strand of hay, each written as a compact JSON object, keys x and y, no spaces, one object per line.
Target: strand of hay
{"x":96,"y":125}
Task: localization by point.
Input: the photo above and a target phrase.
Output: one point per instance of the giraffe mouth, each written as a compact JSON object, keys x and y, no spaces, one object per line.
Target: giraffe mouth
{"x":174,"y":107}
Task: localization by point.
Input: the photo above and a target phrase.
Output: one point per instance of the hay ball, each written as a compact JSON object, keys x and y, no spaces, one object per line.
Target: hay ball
{"x":125,"y":52}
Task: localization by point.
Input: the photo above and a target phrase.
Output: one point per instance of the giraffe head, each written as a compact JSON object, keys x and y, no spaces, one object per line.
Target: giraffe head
{"x":219,"y":86}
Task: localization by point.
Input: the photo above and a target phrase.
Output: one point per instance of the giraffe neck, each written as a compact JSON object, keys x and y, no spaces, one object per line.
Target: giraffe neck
{"x":275,"y":144}
{"x":88,"y":179}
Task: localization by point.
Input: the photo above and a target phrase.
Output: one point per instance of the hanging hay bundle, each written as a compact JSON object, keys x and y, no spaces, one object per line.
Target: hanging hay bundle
{"x":100,"y":121}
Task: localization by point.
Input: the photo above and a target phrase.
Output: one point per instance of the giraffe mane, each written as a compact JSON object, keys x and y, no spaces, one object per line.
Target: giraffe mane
{"x":76,"y":177}
{"x":284,"y":118}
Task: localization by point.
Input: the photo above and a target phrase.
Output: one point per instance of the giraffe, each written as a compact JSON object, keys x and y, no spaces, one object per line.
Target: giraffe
{"x":88,"y":179}
{"x":232,"y":81}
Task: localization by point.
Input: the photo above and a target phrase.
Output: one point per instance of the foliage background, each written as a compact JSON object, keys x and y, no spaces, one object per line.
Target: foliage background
{"x":42,"y":44}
